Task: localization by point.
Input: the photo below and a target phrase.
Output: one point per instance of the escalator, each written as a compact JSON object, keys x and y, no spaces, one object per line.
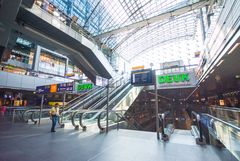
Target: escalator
{"x":221,"y":128}
{"x":119,"y":99}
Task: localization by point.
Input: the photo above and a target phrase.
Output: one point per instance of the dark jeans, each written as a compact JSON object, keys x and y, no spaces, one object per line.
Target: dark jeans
{"x":54,"y":122}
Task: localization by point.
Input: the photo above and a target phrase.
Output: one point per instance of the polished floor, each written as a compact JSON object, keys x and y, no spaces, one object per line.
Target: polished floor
{"x":25,"y":142}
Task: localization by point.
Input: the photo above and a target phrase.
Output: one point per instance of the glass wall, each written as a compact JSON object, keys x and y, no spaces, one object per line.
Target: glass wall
{"x":52,"y":64}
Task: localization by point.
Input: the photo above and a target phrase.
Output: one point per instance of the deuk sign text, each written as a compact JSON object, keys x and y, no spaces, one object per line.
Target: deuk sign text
{"x":177,"y":80}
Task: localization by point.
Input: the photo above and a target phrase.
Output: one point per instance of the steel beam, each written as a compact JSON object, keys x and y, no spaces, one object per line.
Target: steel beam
{"x":162,"y":16}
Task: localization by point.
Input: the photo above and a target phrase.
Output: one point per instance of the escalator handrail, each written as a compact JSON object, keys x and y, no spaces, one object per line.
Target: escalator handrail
{"x":198,"y":117}
{"x":81,"y":112}
{"x":226,"y":109}
{"x":222,"y":121}
{"x":86,"y":98}
{"x":110,"y":111}
{"x":162,"y":117}
{"x":110,"y":95}
{"x":83,"y":96}
{"x":113,"y":99}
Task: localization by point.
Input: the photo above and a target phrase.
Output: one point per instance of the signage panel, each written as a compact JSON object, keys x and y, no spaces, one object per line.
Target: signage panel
{"x":65,"y":87}
{"x":84,"y":87}
{"x":53,"y":88}
{"x":176,"y":80}
{"x":100,"y":81}
{"x":43,"y":89}
{"x":143,"y":77}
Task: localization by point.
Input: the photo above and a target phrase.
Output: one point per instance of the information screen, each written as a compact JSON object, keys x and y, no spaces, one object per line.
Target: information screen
{"x":65,"y":87}
{"x":143,"y":77}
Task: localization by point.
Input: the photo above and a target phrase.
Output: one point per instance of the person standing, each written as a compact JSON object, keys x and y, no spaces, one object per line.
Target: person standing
{"x":54,"y":114}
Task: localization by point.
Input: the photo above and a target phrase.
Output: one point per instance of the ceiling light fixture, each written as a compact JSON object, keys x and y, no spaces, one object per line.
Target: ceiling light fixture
{"x":220,"y":63}
{"x":235,"y":47}
{"x":212,"y":71}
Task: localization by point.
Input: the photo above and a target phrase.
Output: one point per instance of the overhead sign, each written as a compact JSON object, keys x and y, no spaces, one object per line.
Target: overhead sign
{"x":176,"y":80}
{"x":65,"y":87}
{"x":138,"y":67}
{"x":84,"y":87}
{"x":53,"y":88}
{"x":43,"y":89}
{"x":173,"y":78}
{"x":100,"y":81}
{"x":143,"y":77}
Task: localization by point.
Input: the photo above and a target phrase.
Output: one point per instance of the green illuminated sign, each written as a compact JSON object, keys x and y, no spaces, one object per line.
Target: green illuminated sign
{"x":174,"y":78}
{"x":84,"y":87}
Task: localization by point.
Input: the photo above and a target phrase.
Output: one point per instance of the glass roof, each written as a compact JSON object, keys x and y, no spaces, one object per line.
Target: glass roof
{"x":168,"y":39}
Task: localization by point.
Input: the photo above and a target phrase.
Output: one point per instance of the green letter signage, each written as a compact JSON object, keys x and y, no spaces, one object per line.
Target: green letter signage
{"x":83,"y":87}
{"x":174,"y":78}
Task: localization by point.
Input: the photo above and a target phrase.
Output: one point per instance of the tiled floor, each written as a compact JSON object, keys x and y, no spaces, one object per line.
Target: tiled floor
{"x":22,"y":142}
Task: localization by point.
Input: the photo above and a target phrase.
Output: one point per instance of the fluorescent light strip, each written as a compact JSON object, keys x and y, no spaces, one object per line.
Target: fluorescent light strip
{"x":212,"y":71}
{"x":220,"y":63}
{"x":235,"y":47}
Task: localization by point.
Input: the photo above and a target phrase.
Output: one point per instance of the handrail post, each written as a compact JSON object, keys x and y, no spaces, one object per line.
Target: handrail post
{"x":156,"y":108}
{"x":200,"y":131}
{"x":40,"y":115}
{"x":117,"y":122}
{"x":162,"y":124}
{"x":199,"y":124}
{"x":13,"y":116}
{"x":107,"y":105}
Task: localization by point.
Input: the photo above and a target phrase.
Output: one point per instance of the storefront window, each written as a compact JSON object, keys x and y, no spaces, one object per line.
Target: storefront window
{"x":52,"y":64}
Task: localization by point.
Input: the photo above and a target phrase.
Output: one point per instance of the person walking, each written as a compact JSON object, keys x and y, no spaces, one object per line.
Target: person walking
{"x":54,"y":114}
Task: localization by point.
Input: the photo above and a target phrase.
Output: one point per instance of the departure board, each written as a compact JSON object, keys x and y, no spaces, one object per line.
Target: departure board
{"x":142,"y":77}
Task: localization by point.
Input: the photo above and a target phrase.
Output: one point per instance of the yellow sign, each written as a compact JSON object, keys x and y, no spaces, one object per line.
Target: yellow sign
{"x":138,"y":67}
{"x":53,"y":88}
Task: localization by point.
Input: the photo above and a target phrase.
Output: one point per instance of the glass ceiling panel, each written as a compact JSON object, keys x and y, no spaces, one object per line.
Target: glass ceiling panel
{"x":99,"y":16}
{"x":179,"y":28}
{"x":175,"y":38}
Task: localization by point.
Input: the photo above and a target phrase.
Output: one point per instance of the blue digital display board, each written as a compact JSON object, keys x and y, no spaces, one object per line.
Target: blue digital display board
{"x":143,"y":77}
{"x":63,"y":87}
{"x":68,"y":87}
{"x":43,"y":89}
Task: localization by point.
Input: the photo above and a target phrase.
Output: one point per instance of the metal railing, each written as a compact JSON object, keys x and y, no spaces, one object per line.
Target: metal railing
{"x":162,"y":120}
{"x":227,"y":133}
{"x":197,"y":119}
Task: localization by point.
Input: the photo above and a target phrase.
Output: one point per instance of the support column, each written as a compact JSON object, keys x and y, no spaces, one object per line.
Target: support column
{"x":36,"y":59}
{"x":9,"y":10}
{"x":8,"y":13}
{"x":202,"y":26}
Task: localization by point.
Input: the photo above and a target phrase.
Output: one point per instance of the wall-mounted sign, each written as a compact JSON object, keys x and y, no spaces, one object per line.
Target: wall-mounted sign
{"x":143,"y":77}
{"x":84,"y":87}
{"x":176,"y":80}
